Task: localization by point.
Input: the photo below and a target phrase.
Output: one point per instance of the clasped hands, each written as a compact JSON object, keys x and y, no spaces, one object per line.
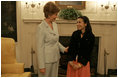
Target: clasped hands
{"x":75,"y":66}
{"x":66,"y":49}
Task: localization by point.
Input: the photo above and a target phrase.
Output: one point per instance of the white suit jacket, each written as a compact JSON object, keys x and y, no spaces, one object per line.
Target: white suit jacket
{"x":48,"y":46}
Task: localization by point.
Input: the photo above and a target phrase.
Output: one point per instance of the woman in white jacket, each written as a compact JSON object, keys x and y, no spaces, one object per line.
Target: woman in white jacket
{"x":48,"y":46}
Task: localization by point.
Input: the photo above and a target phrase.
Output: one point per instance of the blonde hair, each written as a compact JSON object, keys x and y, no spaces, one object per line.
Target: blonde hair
{"x":50,"y":8}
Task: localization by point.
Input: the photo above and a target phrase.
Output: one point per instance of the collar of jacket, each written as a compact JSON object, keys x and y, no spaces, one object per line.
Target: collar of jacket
{"x":49,"y":29}
{"x":85,"y":35}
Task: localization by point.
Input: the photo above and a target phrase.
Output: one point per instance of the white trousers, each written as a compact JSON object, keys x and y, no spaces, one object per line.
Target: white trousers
{"x":51,"y":70}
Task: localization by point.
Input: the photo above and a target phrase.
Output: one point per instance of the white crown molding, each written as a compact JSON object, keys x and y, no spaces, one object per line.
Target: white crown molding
{"x":61,"y":21}
{"x":30,"y":20}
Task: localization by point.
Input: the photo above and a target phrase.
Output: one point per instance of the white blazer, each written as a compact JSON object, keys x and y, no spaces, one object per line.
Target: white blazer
{"x":48,"y":46}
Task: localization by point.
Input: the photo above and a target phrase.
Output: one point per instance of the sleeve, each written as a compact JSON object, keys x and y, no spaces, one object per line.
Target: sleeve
{"x":61,"y":47}
{"x":72,"y":46}
{"x":40,"y":47}
{"x":86,"y":58}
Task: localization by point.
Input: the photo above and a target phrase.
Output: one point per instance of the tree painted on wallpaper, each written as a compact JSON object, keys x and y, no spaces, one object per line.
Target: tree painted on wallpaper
{"x":8,"y":19}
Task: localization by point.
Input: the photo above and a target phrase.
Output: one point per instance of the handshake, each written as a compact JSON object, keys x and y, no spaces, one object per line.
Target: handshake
{"x":66,"y":49}
{"x":74,"y":65}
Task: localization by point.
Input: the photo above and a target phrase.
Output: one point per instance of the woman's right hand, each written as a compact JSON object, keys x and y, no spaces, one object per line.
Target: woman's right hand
{"x":71,"y":63}
{"x":75,"y":66}
{"x":42,"y":71}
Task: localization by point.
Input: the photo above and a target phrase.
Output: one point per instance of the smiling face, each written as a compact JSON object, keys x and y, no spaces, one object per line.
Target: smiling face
{"x":80,"y":24}
{"x":53,"y":17}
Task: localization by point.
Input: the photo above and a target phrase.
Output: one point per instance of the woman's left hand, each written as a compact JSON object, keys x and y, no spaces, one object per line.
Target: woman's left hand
{"x":66,"y":49}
